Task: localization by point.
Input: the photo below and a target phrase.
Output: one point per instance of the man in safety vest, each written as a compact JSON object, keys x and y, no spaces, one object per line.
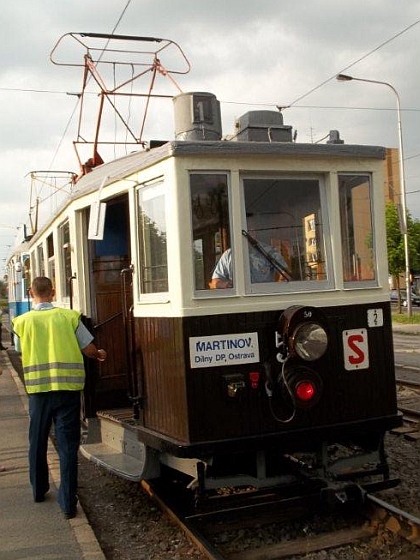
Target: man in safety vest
{"x":52,"y":340}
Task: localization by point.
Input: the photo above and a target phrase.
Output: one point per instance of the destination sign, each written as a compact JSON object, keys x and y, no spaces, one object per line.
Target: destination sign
{"x":224,"y":350}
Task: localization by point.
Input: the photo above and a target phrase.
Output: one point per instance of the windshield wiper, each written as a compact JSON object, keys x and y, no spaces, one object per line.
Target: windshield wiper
{"x":272,"y":260}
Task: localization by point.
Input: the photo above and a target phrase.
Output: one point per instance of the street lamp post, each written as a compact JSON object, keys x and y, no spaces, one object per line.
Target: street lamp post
{"x":404,"y":226}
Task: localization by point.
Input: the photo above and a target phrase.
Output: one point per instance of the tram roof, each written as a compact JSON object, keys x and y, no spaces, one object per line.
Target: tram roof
{"x":127,"y":165}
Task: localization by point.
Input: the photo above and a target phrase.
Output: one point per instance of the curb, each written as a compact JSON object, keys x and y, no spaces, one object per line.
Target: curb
{"x":80,"y":526}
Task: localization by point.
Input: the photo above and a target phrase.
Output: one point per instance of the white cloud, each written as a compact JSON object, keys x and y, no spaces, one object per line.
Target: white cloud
{"x":250,"y":54}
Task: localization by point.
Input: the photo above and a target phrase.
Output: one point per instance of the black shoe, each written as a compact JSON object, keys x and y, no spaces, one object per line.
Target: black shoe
{"x":41,"y":497}
{"x":70,"y":514}
{"x":3,"y":347}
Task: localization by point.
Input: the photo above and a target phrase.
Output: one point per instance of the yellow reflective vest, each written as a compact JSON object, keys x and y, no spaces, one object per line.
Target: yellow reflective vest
{"x":51,"y":357}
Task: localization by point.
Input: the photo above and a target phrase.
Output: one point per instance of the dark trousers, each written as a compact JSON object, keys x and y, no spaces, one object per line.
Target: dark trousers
{"x":62,"y":408}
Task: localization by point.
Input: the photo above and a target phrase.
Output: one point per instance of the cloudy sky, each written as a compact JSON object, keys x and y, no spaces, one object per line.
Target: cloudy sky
{"x":251,"y":55}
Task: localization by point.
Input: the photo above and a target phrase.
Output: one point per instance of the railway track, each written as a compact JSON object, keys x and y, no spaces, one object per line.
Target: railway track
{"x":409,"y":406}
{"x":365,"y":525}
{"x":389,"y":517}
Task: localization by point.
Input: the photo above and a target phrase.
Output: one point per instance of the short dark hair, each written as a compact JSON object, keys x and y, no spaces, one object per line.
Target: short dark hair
{"x":42,"y":286}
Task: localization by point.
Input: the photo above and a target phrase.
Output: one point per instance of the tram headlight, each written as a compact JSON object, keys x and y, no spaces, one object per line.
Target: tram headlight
{"x":309,"y":341}
{"x":303,"y":332}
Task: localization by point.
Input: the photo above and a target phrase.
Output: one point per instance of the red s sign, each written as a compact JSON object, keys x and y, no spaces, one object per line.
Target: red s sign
{"x":355,"y":349}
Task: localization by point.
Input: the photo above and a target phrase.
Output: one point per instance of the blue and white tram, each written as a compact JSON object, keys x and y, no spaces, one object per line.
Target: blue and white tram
{"x":18,"y":281}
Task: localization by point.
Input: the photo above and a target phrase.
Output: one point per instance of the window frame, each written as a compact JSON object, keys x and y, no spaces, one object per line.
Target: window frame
{"x":226,"y":174}
{"x":293,"y":285}
{"x":352,"y":284}
{"x":150,"y":297}
{"x":51,"y":264}
{"x":65,"y":258}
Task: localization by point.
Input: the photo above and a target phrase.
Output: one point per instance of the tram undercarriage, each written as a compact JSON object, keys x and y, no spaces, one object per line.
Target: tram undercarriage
{"x":337,"y":474}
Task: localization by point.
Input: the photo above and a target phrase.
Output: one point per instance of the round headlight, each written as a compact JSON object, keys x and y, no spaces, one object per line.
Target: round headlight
{"x":309,"y":341}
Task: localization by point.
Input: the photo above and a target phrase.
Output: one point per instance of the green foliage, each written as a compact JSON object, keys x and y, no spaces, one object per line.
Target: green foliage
{"x":403,"y":318}
{"x":395,"y":241}
{"x":3,"y":290}
{"x":414,"y":243}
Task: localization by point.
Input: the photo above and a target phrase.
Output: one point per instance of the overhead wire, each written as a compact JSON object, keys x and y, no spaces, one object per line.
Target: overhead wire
{"x":289,"y":105}
{"x":372,"y":51}
{"x":355,"y":62}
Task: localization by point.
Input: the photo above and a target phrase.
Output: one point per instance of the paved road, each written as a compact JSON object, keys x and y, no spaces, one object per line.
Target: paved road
{"x":407,"y":350}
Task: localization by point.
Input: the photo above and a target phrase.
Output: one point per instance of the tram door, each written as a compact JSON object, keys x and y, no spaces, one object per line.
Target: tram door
{"x":108,"y":258}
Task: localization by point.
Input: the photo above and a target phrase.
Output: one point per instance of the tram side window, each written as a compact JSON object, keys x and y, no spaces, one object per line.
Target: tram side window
{"x":26,"y":275}
{"x":356,"y":228}
{"x":41,"y":260}
{"x":153,"y":256}
{"x":66,"y":257}
{"x":284,"y":230}
{"x":210,"y":223}
{"x":51,"y":259}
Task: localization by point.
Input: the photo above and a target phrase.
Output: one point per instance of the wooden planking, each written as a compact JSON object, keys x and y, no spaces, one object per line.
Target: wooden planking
{"x":305,"y":546}
{"x":160,"y":349}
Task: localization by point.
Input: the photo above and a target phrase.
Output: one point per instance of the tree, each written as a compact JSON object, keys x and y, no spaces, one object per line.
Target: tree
{"x":414,"y":242}
{"x":395,"y":244}
{"x":3,"y":289}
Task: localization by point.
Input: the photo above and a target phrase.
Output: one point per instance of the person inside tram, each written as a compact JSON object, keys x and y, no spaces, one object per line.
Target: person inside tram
{"x":266,"y":265}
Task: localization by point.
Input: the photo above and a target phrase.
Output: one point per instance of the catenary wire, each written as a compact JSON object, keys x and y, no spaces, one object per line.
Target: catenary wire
{"x":355,"y":62}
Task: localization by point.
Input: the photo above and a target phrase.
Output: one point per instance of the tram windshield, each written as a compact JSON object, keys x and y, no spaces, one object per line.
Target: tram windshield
{"x":284,"y":233}
{"x":284,"y":215}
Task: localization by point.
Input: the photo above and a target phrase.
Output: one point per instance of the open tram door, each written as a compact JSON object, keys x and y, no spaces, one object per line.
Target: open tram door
{"x":111,"y":300}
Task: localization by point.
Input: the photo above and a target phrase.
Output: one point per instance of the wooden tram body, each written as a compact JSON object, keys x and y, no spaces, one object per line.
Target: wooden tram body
{"x":205,"y":382}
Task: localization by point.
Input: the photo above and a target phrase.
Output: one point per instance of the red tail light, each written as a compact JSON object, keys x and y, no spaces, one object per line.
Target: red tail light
{"x":303,"y":384}
{"x":305,"y":391}
{"x":254,"y":377}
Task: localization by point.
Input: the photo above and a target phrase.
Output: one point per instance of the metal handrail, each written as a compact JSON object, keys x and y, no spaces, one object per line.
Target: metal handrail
{"x":99,"y":325}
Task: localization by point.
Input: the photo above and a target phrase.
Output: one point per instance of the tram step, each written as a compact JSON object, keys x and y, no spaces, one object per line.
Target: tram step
{"x":113,"y":460}
{"x":117,"y":436}
{"x":118,"y":449}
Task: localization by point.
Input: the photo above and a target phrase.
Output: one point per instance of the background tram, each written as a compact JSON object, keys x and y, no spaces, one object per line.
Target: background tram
{"x":18,"y":282}
{"x":223,"y":386}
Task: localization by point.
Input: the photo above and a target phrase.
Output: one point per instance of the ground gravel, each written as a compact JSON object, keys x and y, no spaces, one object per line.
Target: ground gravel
{"x":126,"y":521}
{"x":130,"y":526}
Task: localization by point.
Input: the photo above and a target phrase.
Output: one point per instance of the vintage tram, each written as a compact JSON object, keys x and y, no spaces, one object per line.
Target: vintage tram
{"x":246,"y":384}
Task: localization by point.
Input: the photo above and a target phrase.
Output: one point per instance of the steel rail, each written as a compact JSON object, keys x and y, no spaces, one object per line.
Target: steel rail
{"x":394,"y":519}
{"x":187,"y":528}
{"x":408,"y":382}
{"x":381,"y":514}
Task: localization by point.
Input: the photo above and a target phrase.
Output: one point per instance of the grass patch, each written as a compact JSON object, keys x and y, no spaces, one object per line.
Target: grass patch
{"x":402,"y":318}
